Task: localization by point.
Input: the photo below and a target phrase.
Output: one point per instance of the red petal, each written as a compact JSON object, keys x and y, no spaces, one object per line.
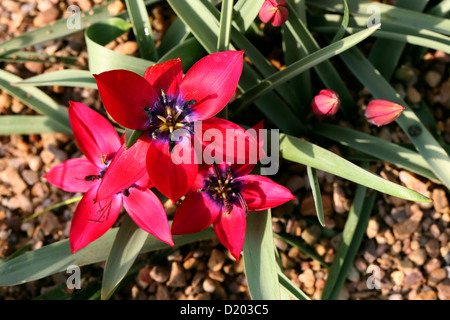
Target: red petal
{"x":230,"y":230}
{"x":166,"y":76}
{"x":280,"y":17}
{"x":95,"y":135}
{"x":267,"y":11}
{"x":195,"y":213}
{"x":125,"y":94}
{"x":172,"y":180}
{"x":126,"y":168}
{"x":261,"y":193}
{"x":91,"y":220}
{"x":70,"y":175}
{"x":146,"y":210}
{"x":224,"y":141}
{"x":211,"y":82}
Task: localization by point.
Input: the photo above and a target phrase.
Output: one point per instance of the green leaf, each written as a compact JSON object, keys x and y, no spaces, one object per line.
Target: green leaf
{"x":57,"y":256}
{"x":126,"y":247}
{"x":223,"y":42}
{"x":432,"y":152}
{"x":352,"y":235}
{"x":142,"y":29}
{"x":344,"y":24}
{"x":259,"y":257}
{"x":67,"y":78}
{"x":390,"y":13}
{"x":377,"y":147}
{"x":315,"y":188}
{"x":245,"y":12}
{"x":30,"y":125}
{"x":102,"y":59}
{"x":304,"y":152}
{"x":29,"y":56}
{"x":35,"y":99}
{"x":300,"y":66}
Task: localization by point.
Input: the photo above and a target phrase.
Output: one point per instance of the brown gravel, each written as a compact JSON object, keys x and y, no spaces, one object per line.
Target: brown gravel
{"x":409,"y":242}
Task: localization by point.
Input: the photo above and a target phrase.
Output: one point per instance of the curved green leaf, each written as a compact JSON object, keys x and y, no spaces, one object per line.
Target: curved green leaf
{"x":67,"y":78}
{"x":315,"y":188}
{"x":304,"y":152}
{"x":125,"y":249}
{"x":259,"y":257}
{"x":57,"y":256}
{"x":35,"y":99}
{"x":30,"y":125}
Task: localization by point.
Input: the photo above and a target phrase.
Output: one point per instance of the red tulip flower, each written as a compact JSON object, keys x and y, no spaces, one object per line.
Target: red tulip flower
{"x":162,"y":102}
{"x":274,"y":11}
{"x":326,"y":103}
{"x":381,"y":112}
{"x":222,"y":195}
{"x":105,"y":152}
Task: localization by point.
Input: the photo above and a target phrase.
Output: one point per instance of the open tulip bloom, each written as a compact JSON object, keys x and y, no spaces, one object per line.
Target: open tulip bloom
{"x":163,"y":103}
{"x":222,"y":195}
{"x":105,"y":153}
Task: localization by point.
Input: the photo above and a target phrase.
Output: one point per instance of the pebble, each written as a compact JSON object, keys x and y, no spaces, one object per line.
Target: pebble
{"x":418,"y":256}
{"x":311,"y":234}
{"x":295,"y":183}
{"x":159,"y":274}
{"x":162,"y":292}
{"x":308,"y":208}
{"x":177,"y":277}
{"x":307,"y":278}
{"x":444,"y":290}
{"x":437,"y":276}
{"x":398,"y":277}
{"x":209,"y":285}
{"x":372,"y":228}
{"x":413,"y":278}
{"x":30,"y":177}
{"x":12,"y":177}
{"x":404,"y":229}
{"x":216,"y":260}
{"x":412,"y":182}
{"x":413,"y":95}
{"x":426,"y":295}
{"x":432,"y":248}
{"x":49,"y":223}
{"x":340,"y":202}
{"x":127,"y":48}
{"x":45,"y":17}
{"x":433,"y":78}
{"x":440,"y":201}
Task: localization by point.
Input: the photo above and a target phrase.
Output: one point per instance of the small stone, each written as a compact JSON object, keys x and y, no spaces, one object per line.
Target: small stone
{"x":84,"y":4}
{"x":30,"y":177}
{"x":295,"y":183}
{"x":311,"y":234}
{"x":216,"y":275}
{"x":162,"y":292}
{"x":444,"y":290}
{"x":412,"y":182}
{"x":46,"y":17}
{"x":159,"y":274}
{"x":307,"y":278}
{"x":11,"y":176}
{"x":432,"y":248}
{"x":35,"y":163}
{"x":34,"y":67}
{"x":115,"y":7}
{"x":177,"y":277}
{"x":49,"y":223}
{"x":413,"y":278}
{"x":308,"y":208}
{"x":369,"y":252}
{"x":432,"y":264}
{"x":20,"y":201}
{"x":426,"y":295}
{"x":372,"y":228}
{"x":433,"y":78}
{"x":440,"y":201}
{"x":143,"y":277}
{"x":413,"y":95}
{"x":209,"y":285}
{"x":437,"y":276}
{"x":340,"y":201}
{"x":405,"y":228}
{"x":418,"y":256}
{"x":127,"y":48}
{"x":216,"y":260}
{"x":190,"y":263}
{"x":398,"y":277}
{"x":395,"y":296}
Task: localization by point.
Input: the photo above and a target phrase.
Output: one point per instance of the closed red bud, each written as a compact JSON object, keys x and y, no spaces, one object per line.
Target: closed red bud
{"x":381,"y":112}
{"x":326,"y":103}
{"x":274,"y":11}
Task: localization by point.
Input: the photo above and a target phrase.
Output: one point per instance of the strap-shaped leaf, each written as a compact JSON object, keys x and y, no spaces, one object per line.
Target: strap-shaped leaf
{"x":259,"y":257}
{"x":67,"y":78}
{"x":57,"y":256}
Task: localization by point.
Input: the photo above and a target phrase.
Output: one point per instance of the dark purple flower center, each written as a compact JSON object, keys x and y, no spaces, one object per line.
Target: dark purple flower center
{"x":224,"y":189}
{"x":167,"y":115}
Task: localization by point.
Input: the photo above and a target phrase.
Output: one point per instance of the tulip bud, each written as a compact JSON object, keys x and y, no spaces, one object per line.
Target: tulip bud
{"x":274,"y":11}
{"x":326,"y":103}
{"x":381,"y":112}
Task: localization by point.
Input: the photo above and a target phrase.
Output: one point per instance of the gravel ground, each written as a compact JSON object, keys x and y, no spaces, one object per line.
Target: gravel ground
{"x":409,"y":242}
